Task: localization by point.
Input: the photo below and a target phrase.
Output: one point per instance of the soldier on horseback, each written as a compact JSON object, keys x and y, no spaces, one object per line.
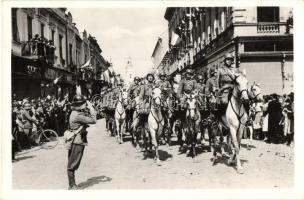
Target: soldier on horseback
{"x":166,"y":88}
{"x":226,"y":81}
{"x":143,"y":104}
{"x":212,"y":88}
{"x":186,"y":86}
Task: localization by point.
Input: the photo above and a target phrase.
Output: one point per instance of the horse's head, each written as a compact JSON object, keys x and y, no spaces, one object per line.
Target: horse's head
{"x":241,"y":83}
{"x":156,"y":96}
{"x":192,"y":104}
{"x":125,"y":97}
{"x":255,"y":89}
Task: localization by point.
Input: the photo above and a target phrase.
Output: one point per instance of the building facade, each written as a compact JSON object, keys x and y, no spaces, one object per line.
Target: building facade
{"x":160,"y":50}
{"x":46,"y":45}
{"x":260,"y":38}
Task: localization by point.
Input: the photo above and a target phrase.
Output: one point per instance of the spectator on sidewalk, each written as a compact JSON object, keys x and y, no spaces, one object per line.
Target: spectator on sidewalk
{"x":274,"y":116}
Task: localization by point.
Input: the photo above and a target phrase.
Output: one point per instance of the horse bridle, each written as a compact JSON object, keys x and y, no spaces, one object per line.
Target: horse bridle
{"x":122,"y":103}
{"x":158,"y":106}
{"x":195,"y":109}
{"x":238,"y":115}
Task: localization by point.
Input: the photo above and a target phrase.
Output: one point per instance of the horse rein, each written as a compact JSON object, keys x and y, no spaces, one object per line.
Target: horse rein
{"x":157,"y":121}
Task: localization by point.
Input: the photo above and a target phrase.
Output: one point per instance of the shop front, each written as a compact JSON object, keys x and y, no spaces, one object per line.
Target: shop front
{"x":26,"y":77}
{"x":66,"y":81}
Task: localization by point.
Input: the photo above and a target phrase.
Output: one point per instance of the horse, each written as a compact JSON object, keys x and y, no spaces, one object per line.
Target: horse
{"x":130,"y":110}
{"x":173,"y":114}
{"x":120,"y":115}
{"x":155,"y":120}
{"x":193,"y":119}
{"x":135,"y":129}
{"x":235,"y":117}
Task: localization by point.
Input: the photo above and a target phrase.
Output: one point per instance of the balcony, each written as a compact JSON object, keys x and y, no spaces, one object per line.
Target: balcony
{"x":39,"y":48}
{"x":268,"y":28}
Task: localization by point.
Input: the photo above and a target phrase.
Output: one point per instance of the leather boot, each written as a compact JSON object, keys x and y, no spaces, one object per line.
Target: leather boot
{"x":71,"y":178}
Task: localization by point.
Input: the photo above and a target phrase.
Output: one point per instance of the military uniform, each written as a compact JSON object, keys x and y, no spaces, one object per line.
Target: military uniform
{"x":226,"y":80}
{"x":144,"y":92}
{"x":186,"y":86}
{"x":79,"y":119}
{"x":165,"y":87}
{"x":201,"y":89}
{"x":144,"y":95}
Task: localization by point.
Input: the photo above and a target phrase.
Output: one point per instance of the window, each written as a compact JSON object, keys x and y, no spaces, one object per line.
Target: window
{"x":60,"y":46}
{"x":53,"y":36}
{"x":268,"y":14}
{"x":29,"y":28}
{"x":14,"y":25}
{"x":216,"y":22}
{"x":71,"y":53}
{"x":77,"y":57}
{"x":42,"y":30}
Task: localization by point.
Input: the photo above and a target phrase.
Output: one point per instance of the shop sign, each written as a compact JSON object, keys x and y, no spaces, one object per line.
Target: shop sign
{"x":51,"y":73}
{"x":32,"y":70}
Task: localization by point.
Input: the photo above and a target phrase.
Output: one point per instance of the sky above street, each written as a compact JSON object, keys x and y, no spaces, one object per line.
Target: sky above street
{"x":123,"y":33}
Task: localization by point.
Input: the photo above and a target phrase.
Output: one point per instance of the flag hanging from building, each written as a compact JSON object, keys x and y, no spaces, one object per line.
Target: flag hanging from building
{"x":56,"y":80}
{"x":87,"y":65}
{"x":175,"y":39}
{"x":105,"y":76}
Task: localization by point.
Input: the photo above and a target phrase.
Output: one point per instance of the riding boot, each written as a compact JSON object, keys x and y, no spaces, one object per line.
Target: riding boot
{"x":71,"y":178}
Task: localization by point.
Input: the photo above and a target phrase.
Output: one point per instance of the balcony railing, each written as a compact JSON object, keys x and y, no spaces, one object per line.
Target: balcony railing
{"x":41,"y":48}
{"x":268,"y":28}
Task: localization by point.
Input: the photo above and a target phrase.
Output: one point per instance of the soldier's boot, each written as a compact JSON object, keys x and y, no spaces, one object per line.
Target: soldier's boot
{"x":71,"y":178}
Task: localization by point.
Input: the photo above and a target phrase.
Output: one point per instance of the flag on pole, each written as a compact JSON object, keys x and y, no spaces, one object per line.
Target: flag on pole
{"x":56,"y":80}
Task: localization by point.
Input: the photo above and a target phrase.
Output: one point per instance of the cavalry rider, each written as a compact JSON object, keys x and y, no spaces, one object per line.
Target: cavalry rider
{"x":226,"y":80}
{"x":133,"y":92}
{"x":166,"y":88}
{"x":212,"y":87}
{"x":145,"y":92}
{"x":186,"y":86}
{"x":201,"y":87}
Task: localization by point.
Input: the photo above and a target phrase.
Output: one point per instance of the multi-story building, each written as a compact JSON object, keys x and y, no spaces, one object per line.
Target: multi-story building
{"x":98,"y":63}
{"x":260,"y":38}
{"x":160,"y":50}
{"x":46,"y":45}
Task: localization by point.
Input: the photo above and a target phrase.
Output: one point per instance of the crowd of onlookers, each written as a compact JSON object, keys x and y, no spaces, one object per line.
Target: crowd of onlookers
{"x":272,"y":119}
{"x":30,"y":115}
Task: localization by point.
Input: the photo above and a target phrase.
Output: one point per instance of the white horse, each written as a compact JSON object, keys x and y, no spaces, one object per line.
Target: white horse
{"x":156,"y":120}
{"x":193,"y":119}
{"x":120,"y":115}
{"x":235,"y":117}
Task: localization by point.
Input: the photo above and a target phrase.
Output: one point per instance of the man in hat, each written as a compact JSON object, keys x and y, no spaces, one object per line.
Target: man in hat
{"x":28,"y":122}
{"x":226,"y":79}
{"x":186,"y":86}
{"x":212,"y":87}
{"x":166,"y":88}
{"x":145,"y":92}
{"x":79,"y":120}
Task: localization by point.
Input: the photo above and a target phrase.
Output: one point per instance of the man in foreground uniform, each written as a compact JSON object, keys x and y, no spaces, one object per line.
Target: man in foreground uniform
{"x":143,"y":106}
{"x":186,"y":86}
{"x":82,"y":114}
